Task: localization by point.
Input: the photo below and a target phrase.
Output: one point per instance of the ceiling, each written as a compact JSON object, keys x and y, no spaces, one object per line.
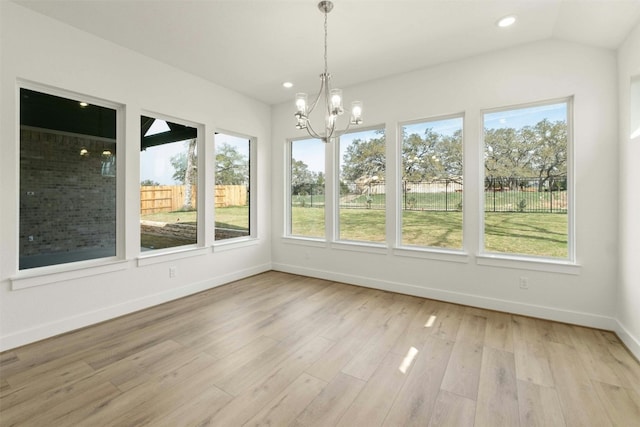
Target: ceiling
{"x":252,"y":46}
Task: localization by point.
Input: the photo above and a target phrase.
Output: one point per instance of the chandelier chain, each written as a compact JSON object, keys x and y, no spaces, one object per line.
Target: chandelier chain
{"x":326,"y":67}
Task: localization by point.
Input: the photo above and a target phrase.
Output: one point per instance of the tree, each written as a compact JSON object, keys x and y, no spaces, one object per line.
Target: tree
{"x":232,"y":167}
{"x":149,"y":182}
{"x":185,"y":171}
{"x":302,"y":179}
{"x":365,"y":158}
{"x":550,"y":157}
{"x":433,"y":155}
{"x":539,"y":150}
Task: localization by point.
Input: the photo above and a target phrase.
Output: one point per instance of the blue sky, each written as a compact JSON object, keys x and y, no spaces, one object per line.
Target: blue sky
{"x":312,"y":151}
{"x":155,"y":161}
{"x":518,"y":118}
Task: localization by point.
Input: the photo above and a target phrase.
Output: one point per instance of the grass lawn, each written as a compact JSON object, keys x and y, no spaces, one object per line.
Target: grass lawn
{"x":540,"y":234}
{"x":234,"y":217}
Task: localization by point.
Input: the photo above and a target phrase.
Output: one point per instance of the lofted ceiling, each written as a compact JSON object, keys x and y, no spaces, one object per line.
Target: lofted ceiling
{"x":252,"y":46}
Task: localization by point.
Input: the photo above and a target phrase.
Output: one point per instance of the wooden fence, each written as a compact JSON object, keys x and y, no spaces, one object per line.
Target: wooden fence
{"x":169,"y":198}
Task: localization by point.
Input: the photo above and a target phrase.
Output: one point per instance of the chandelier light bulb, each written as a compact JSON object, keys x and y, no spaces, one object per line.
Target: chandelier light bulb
{"x":301,"y":104}
{"x":356,"y":112}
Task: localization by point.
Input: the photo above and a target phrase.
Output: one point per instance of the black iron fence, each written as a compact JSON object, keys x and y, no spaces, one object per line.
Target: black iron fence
{"x":501,"y":194}
{"x":522,"y":194}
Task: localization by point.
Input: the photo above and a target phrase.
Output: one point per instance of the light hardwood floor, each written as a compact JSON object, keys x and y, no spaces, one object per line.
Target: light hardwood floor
{"x":278,"y":349}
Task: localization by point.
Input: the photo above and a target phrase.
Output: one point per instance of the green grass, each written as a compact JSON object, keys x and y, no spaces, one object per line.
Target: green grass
{"x":362,"y":224}
{"x":432,"y":228}
{"x":308,"y":222}
{"x":538,"y":234}
{"x":234,"y":217}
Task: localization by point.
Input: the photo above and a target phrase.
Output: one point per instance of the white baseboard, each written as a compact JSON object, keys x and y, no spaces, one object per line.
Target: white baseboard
{"x":68,"y":324}
{"x":550,"y":313}
{"x":632,"y":343}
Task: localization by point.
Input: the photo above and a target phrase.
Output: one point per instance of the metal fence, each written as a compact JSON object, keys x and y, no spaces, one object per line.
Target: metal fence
{"x":501,"y":194}
{"x":522,"y":194}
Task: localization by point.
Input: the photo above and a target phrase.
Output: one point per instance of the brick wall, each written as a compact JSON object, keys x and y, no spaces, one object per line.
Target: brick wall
{"x":67,"y":204}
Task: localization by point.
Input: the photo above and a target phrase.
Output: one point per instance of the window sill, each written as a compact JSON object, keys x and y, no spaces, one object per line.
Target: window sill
{"x":230,"y":244}
{"x":305,"y":241}
{"x":59,"y":273}
{"x":524,"y":263}
{"x":372,"y":248}
{"x":432,"y":253}
{"x":159,"y":256}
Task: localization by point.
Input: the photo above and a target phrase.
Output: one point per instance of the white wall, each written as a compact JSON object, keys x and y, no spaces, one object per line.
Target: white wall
{"x":628,"y":308}
{"x":36,"y":48}
{"x":535,"y":72}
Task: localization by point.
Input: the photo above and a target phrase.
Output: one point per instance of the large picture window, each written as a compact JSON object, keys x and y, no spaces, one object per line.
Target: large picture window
{"x":168,"y":187}
{"x":527,"y":180}
{"x":362,"y":190}
{"x":432,"y":184}
{"x":232,"y":191}
{"x":67,"y":180}
{"x":307,"y":188}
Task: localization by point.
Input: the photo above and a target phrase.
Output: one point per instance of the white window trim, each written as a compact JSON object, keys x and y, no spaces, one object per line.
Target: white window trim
{"x":242,"y":241}
{"x":418,"y":251}
{"x":507,"y":260}
{"x":334,"y":223}
{"x":45,"y":275}
{"x":288,"y":217}
{"x":200,"y":200}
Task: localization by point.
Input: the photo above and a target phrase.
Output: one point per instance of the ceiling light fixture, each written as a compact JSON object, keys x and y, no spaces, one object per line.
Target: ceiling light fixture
{"x":287,"y":85}
{"x":507,"y":21}
{"x":332,"y":98}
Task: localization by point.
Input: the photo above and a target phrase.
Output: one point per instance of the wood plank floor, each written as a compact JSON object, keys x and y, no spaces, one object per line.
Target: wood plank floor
{"x":278,"y":350}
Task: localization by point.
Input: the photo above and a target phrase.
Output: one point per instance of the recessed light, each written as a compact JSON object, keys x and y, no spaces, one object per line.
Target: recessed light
{"x":507,"y":21}
{"x":287,"y":85}
{"x":83,"y":104}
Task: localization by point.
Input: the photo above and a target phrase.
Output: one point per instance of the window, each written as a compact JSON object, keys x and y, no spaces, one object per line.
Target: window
{"x":232,"y":201}
{"x":526,"y":180}
{"x":168,"y":187}
{"x":432,"y":183}
{"x":307,"y":188}
{"x":362,"y":192}
{"x":67,"y":180}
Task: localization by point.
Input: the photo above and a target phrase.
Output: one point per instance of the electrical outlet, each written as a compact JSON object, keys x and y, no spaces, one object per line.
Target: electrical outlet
{"x":172,"y":272}
{"x":524,"y":282}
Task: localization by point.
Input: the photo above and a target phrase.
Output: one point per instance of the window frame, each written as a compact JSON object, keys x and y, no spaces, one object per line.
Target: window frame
{"x":200,"y":241}
{"x":546,"y":263}
{"x":348,"y":244}
{"x":419,"y":250}
{"x":252,"y":237}
{"x":48,"y":274}
{"x":288,"y":217}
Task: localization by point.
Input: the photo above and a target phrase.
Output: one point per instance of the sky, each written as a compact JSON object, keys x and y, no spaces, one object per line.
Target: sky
{"x":312,"y":151}
{"x":155,"y":162}
{"x":518,"y":118}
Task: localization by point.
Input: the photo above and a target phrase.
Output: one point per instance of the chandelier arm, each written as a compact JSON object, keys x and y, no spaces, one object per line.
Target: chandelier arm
{"x":313,"y":104}
{"x":311,"y":131}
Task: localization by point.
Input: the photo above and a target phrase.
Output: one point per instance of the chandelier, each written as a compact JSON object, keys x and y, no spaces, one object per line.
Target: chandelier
{"x":332,"y":98}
